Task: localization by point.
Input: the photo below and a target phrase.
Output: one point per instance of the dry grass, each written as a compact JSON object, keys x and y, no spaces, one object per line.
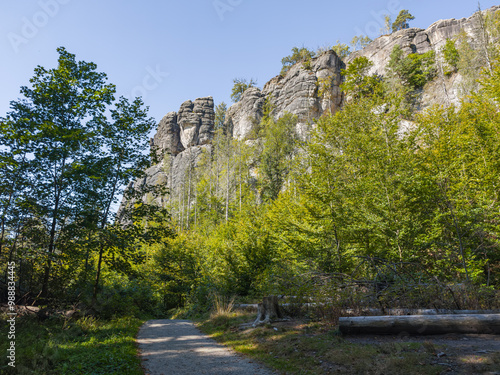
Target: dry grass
{"x":308,"y":347}
{"x":222,"y":306}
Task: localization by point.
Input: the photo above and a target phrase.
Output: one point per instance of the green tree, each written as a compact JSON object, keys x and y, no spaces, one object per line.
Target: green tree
{"x":342,"y":50}
{"x":401,"y":21}
{"x":239,"y":87}
{"x":451,"y":56}
{"x":357,"y":82}
{"x":278,"y":149}
{"x":75,"y":160}
{"x":302,"y":55}
{"x":360,"y":42}
{"x":62,"y":111}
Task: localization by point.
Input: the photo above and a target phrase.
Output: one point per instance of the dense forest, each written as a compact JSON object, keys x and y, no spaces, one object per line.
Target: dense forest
{"x":378,"y":204}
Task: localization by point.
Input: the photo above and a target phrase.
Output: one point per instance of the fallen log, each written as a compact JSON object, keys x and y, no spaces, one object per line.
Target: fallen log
{"x":421,"y":324}
{"x":400,"y":311}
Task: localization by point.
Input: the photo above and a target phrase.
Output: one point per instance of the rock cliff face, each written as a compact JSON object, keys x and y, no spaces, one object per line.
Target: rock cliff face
{"x":304,"y":91}
{"x":179,"y":141}
{"x":192,"y":126}
{"x":444,"y":90}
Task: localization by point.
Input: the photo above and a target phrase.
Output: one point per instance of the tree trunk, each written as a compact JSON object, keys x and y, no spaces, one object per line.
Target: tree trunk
{"x":421,"y":324}
{"x":98,"y":275}
{"x":267,"y":311}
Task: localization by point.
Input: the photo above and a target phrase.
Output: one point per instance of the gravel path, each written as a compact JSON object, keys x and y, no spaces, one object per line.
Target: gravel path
{"x":177,"y":347}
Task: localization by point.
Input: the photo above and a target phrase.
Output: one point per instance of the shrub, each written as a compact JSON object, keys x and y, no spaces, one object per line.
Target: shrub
{"x":451,"y":57}
{"x":298,"y":55}
{"x":414,"y":70}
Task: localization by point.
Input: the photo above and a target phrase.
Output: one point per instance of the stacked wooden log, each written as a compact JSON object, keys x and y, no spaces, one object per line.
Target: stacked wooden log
{"x":421,"y":324}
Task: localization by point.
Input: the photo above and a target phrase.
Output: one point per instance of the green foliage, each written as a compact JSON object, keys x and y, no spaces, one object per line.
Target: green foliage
{"x":414,"y":70}
{"x":84,"y":346}
{"x":342,"y":50}
{"x":239,"y":87}
{"x":401,"y":21}
{"x":360,"y":42}
{"x":387,"y":25}
{"x":76,"y":149}
{"x":357,"y":83}
{"x":451,"y":56}
{"x":299,"y":55}
{"x":277,"y":152}
{"x":220,"y":117}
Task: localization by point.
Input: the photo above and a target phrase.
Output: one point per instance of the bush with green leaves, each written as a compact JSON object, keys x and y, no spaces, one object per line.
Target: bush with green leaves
{"x":239,"y":87}
{"x":357,"y":82}
{"x":413,"y":70}
{"x":451,"y":57}
{"x":341,"y":49}
{"x":302,"y":55}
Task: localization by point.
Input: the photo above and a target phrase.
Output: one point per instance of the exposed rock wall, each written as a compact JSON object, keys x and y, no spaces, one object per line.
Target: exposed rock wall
{"x":306,"y":90}
{"x":303,"y":91}
{"x":444,"y":90}
{"x":180,"y":139}
{"x":193,"y":125}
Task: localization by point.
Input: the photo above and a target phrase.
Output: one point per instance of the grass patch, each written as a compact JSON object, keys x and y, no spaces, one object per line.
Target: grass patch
{"x":314,"y":348}
{"x":85,"y":346}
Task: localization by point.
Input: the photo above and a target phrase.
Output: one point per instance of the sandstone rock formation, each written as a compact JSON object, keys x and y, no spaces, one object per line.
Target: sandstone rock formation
{"x":179,"y":141}
{"x":192,"y":126}
{"x":444,"y":90}
{"x":306,"y":92}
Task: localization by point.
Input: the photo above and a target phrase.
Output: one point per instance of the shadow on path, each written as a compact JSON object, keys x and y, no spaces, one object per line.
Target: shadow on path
{"x":175,"y":347}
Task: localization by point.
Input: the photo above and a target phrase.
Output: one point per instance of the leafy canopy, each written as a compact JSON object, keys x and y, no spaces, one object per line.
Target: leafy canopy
{"x":303,"y":55}
{"x":239,"y":87}
{"x":401,"y":21}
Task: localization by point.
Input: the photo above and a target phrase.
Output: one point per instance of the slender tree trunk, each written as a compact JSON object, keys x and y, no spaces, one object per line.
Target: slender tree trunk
{"x":50,"y":250}
{"x":98,"y":274}
{"x":459,"y":233}
{"x":188,"y":209}
{"x":2,"y":235}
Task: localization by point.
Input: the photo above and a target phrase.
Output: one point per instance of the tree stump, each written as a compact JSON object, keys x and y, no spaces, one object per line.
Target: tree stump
{"x":267,"y":311}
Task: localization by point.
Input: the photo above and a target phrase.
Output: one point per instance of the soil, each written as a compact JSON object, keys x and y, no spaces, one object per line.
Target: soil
{"x":177,"y":347}
{"x":457,"y":353}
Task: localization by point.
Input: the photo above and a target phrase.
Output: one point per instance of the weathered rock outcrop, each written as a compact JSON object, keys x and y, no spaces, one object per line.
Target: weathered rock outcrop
{"x":444,"y":90}
{"x":179,"y":141}
{"x":192,"y":126}
{"x":305,"y":91}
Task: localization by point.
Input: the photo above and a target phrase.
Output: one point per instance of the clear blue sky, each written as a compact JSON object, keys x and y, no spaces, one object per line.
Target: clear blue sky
{"x":170,"y":51}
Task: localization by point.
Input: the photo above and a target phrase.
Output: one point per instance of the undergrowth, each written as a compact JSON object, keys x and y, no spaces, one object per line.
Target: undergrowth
{"x":85,"y":346}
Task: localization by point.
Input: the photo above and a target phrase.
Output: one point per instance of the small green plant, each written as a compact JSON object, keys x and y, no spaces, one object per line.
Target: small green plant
{"x":414,"y":70}
{"x":341,"y":49}
{"x":451,"y":57}
{"x":239,"y":87}
{"x":303,"y":55}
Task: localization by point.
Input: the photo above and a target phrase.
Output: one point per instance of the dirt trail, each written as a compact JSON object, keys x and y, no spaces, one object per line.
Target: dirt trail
{"x":177,"y":347}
